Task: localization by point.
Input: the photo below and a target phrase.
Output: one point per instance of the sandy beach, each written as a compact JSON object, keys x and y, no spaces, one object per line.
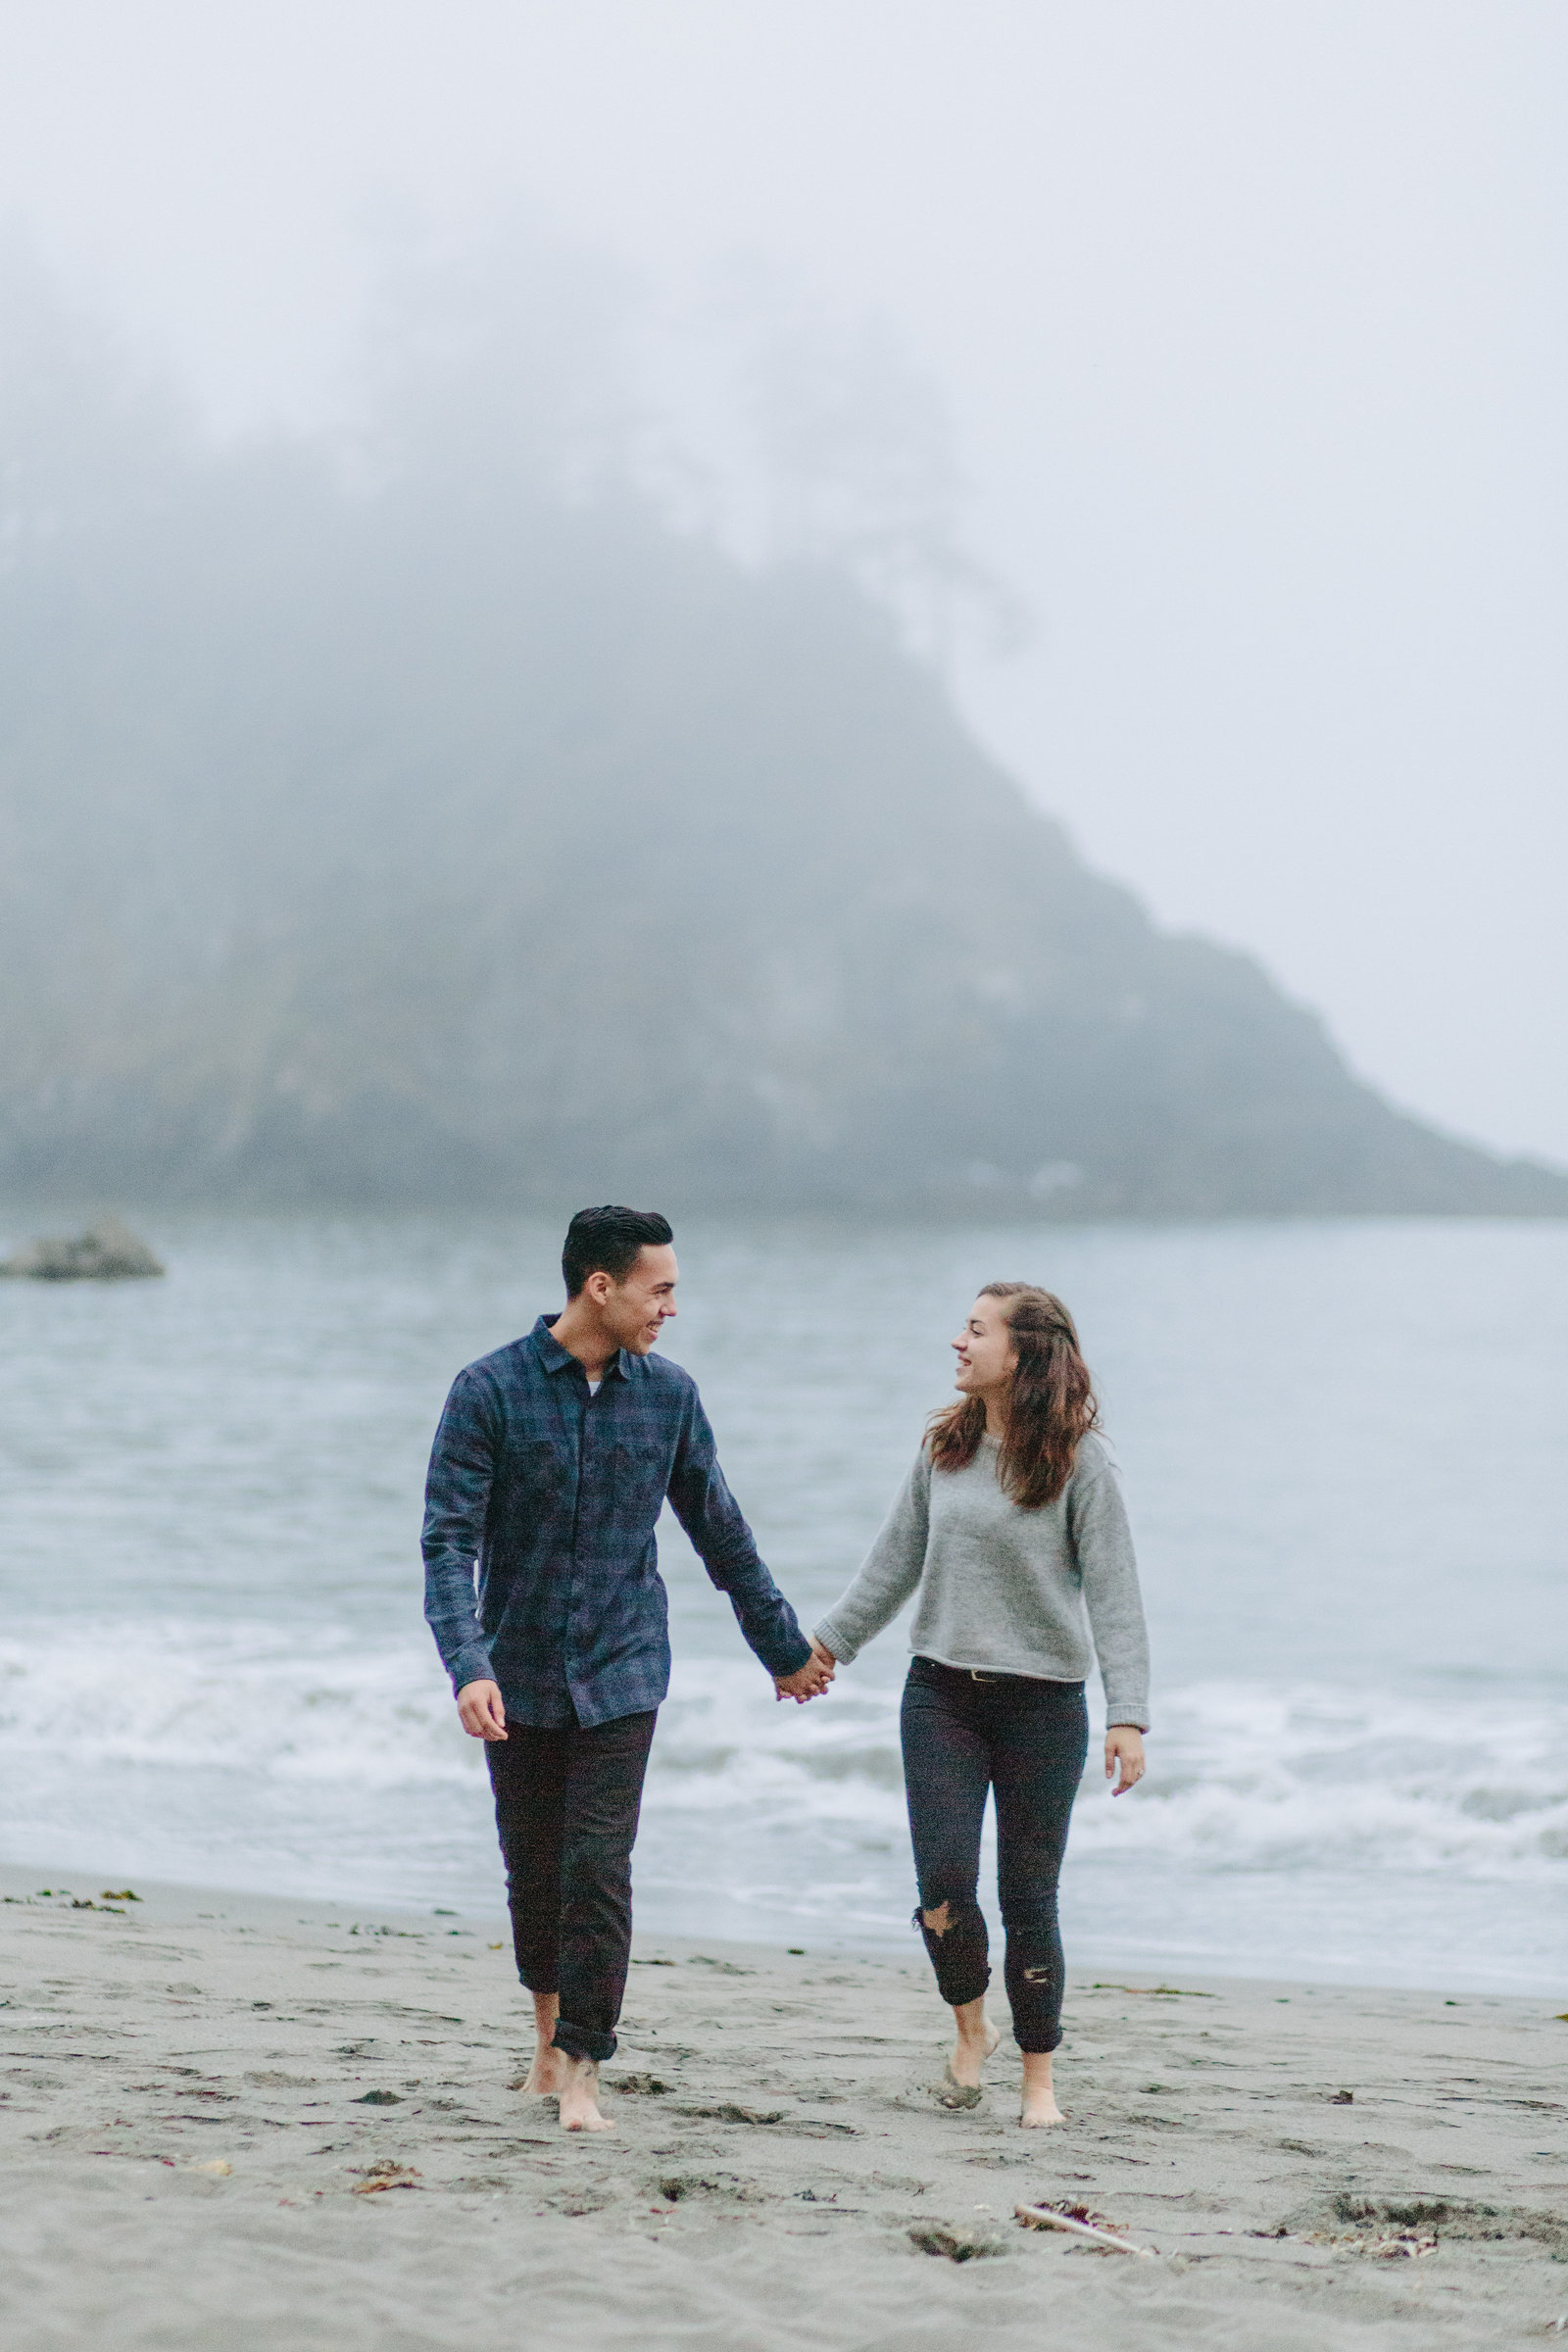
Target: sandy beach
{"x":231,"y":2121}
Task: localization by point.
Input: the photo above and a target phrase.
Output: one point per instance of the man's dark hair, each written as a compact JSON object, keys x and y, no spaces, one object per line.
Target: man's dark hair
{"x":608,"y":1241}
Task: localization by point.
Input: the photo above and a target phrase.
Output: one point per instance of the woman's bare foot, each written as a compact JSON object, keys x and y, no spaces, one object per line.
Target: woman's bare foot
{"x":579,"y":2097}
{"x":977,"y":2038}
{"x":1038,"y":2094}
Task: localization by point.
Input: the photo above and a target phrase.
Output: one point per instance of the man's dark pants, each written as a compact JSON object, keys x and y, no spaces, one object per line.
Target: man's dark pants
{"x":566,"y":1806}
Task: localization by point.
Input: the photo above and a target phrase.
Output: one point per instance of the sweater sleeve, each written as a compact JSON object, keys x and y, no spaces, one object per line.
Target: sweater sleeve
{"x":893,"y":1568}
{"x":1102,"y":1543}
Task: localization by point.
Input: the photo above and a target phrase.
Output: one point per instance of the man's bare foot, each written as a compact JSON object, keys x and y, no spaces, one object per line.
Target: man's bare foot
{"x":579,"y":2097}
{"x":546,"y":2078}
{"x":977,"y":2038}
{"x":1039,"y":2094}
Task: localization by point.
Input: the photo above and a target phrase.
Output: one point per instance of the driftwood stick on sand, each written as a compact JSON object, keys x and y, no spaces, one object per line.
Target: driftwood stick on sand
{"x":1041,"y":2217}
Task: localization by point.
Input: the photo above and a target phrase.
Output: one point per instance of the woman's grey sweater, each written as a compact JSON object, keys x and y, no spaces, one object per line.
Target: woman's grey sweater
{"x":1004,"y":1590}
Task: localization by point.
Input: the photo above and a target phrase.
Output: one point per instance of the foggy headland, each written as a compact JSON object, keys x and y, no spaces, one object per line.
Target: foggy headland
{"x":443,"y":824}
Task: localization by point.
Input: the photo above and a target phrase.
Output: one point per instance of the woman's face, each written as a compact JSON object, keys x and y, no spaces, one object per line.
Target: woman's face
{"x":987,"y":1358}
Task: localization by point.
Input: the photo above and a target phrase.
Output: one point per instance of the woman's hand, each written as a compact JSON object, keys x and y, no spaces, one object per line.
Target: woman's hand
{"x":808,"y":1681}
{"x":1124,"y":1746}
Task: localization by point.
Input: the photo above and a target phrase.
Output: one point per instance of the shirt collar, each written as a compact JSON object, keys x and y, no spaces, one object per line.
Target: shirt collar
{"x":556,"y":1358}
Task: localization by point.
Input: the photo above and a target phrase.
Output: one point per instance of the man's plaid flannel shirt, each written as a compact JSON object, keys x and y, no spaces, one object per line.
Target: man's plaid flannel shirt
{"x":553,"y":1495}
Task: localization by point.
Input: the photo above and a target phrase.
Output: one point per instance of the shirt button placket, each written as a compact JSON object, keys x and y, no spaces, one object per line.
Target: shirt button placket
{"x":582,"y":1524}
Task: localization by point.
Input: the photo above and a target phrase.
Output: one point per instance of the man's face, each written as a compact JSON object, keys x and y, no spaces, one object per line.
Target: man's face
{"x":636,"y":1311}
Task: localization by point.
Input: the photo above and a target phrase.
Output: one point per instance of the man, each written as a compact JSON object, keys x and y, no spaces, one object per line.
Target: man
{"x":550,"y":1468}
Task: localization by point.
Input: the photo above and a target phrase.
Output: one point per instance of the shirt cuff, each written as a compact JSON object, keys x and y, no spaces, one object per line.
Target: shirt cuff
{"x":470,"y":1665}
{"x":844,"y":1649}
{"x":782,"y":1674}
{"x":1123,"y":1706}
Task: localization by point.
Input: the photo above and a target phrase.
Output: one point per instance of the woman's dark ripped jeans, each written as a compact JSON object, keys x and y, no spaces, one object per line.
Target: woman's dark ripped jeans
{"x":1026,"y":1738}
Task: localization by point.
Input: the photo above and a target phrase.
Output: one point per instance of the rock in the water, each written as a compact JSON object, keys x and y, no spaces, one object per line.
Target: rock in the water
{"x":108,"y":1252}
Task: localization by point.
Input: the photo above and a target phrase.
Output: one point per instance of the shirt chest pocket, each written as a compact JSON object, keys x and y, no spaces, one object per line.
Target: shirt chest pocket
{"x":541,"y":1469}
{"x":638,"y":1467}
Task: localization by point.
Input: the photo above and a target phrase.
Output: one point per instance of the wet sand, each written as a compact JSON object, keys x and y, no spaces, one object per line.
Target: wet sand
{"x":235,"y":2121}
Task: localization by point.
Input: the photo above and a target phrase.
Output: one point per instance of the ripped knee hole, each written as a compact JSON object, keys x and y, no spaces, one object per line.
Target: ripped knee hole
{"x":957,"y":1911}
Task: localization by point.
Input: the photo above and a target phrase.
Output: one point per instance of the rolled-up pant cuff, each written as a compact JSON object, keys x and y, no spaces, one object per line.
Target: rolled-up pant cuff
{"x":581,"y":2041}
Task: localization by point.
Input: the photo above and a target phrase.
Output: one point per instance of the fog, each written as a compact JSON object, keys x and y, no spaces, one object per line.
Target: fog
{"x":1227,"y":343}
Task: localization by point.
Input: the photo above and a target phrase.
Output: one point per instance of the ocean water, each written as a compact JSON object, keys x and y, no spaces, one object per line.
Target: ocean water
{"x":1343,"y":1446}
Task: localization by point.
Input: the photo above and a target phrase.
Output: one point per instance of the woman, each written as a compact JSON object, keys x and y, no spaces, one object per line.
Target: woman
{"x":1010,"y":1527}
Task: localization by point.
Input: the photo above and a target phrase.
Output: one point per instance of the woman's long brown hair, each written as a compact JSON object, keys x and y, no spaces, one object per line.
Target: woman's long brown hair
{"x":1051,"y":1404}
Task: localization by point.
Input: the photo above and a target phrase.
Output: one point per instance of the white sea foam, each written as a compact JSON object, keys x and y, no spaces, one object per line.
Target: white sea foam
{"x":1242,"y":1778}
{"x":1246,"y":1778}
{"x":188,"y":1695}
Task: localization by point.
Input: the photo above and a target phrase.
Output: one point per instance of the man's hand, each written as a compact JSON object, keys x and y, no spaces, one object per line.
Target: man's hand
{"x":1124,"y":1746}
{"x":480,"y":1711}
{"x":808,"y":1681}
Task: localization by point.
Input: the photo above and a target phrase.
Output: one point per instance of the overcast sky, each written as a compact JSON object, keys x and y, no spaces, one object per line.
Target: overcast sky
{"x":1252,"y":321}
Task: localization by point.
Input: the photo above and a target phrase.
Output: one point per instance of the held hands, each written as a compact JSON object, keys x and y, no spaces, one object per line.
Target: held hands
{"x":1124,"y":1746}
{"x":808,"y":1681}
{"x":480,"y":1711}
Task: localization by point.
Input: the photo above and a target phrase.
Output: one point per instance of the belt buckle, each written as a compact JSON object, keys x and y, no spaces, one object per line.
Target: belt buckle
{"x":975,"y":1676}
